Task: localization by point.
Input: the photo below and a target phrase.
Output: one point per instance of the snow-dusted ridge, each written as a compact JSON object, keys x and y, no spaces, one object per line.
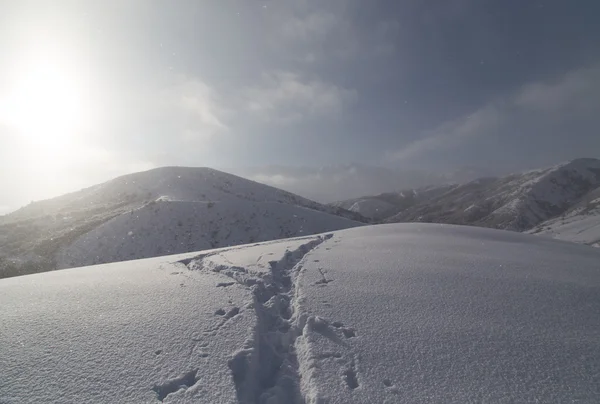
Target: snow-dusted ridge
{"x":400,"y":313}
{"x":515,"y":202}
{"x":559,"y":201}
{"x":167,"y":210}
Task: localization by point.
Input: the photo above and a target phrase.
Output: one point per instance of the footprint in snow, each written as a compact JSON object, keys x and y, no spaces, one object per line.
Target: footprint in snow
{"x":183,"y":381}
{"x":348,"y":332}
{"x":350,"y":378}
{"x":391,"y":387}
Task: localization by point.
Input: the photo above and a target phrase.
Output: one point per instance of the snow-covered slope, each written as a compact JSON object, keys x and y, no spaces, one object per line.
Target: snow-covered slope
{"x":371,"y":207}
{"x":175,"y":227}
{"x":401,"y":313}
{"x":578,"y":229}
{"x":516,"y":202}
{"x":382,"y":206}
{"x":122,"y":219}
{"x":580,"y":224}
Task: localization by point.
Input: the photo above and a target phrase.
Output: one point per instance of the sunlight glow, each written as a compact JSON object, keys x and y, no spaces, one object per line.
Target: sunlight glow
{"x":46,"y":104}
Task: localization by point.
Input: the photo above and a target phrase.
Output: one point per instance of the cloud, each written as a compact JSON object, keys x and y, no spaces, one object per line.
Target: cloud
{"x":534,"y":117}
{"x":385,"y":35}
{"x":311,"y":27}
{"x":312,"y":31}
{"x":285,"y":97}
{"x":276,"y":180}
{"x":451,"y":134}
{"x":334,"y":183}
{"x":194,"y":106}
{"x":316,"y":32}
{"x":573,"y":91}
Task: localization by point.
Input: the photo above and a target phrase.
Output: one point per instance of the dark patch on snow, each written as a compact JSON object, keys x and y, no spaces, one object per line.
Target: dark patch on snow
{"x":232,"y":313}
{"x":183,"y":381}
{"x":224,"y":284}
{"x":350,"y":378}
{"x":348,"y":332}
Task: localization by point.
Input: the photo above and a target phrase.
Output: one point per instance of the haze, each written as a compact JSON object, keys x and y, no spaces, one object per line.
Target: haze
{"x":274,"y":90}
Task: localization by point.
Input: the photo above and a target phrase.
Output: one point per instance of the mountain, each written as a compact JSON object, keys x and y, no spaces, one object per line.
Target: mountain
{"x":559,"y":201}
{"x":400,"y":313}
{"x":382,"y":206}
{"x":162,"y":211}
{"x":580,"y":223}
{"x":341,"y":182}
{"x":517,"y":202}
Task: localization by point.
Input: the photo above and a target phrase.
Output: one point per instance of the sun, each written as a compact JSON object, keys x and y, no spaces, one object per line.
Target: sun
{"x":45,"y":105}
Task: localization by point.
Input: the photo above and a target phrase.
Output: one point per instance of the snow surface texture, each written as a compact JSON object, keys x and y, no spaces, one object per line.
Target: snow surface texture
{"x":176,"y":227}
{"x":401,"y":313}
{"x":188,"y":205}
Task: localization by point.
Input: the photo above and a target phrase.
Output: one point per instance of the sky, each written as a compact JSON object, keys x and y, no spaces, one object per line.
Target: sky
{"x":94,"y":89}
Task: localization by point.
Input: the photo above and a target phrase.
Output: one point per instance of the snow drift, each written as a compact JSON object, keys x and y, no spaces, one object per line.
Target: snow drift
{"x":400,"y":313}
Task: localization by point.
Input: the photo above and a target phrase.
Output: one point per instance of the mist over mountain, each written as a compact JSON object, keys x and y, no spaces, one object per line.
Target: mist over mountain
{"x":339,"y":182}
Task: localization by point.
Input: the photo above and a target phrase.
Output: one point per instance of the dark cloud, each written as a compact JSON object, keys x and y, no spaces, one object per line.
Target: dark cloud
{"x":414,"y":84}
{"x":540,"y":123}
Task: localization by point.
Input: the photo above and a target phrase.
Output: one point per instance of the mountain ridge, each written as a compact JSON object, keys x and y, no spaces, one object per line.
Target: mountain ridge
{"x":52,"y":233}
{"x":518,"y":202}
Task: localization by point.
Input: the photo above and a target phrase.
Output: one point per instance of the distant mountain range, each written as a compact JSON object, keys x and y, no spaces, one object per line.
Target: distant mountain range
{"x":176,"y":209}
{"x":332,"y":183}
{"x":562,"y":201}
{"x":158,"y":212}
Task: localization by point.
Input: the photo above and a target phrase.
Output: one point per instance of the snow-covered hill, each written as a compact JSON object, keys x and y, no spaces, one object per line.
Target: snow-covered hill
{"x":561,"y":201}
{"x":156,"y":212}
{"x":175,"y":227}
{"x":580,"y":224}
{"x":401,"y":313}
{"x":516,"y":202}
{"x":382,"y":206}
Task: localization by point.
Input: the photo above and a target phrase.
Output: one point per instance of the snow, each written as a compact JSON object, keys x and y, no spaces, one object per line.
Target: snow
{"x":116,"y":333}
{"x":157,"y":212}
{"x":448,"y":314}
{"x":370,"y":207}
{"x":470,"y":207}
{"x":556,"y":186}
{"x":177,"y":227}
{"x":516,"y":202}
{"x":398,"y":313}
{"x":579,"y":229}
